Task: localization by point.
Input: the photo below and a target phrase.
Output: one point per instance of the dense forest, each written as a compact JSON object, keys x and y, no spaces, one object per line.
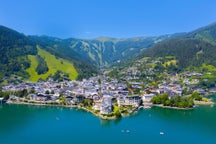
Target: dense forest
{"x":189,"y":49}
{"x":42,"y":65}
{"x":15,"y":48}
{"x":188,"y":52}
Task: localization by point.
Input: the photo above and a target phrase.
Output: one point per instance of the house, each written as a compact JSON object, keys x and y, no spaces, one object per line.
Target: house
{"x":121,"y":100}
{"x":129,"y":100}
{"x":123,"y":92}
{"x":147,"y":97}
{"x":32,"y":97}
{"x":106,"y":105}
{"x":42,"y":97}
{"x":133,"y":100}
{"x":54,"y":97}
{"x":96,"y":98}
{"x":78,"y":99}
{"x":69,"y":99}
{"x":200,"y":91}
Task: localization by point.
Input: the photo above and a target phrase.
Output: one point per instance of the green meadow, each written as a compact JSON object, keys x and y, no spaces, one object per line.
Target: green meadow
{"x":54,"y":64}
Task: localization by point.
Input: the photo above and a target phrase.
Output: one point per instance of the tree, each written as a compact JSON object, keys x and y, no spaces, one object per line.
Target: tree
{"x":47,"y":92}
{"x":116,"y":111}
{"x":32,"y":91}
{"x":88,"y":102}
{"x":197,"y":96}
{"x":175,"y":101}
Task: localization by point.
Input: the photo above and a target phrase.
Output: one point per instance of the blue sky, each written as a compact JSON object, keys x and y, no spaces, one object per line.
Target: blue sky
{"x":113,"y":18}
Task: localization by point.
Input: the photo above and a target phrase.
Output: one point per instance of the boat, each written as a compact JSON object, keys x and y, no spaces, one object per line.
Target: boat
{"x":127,"y":131}
{"x":146,"y":107}
{"x":161,"y":133}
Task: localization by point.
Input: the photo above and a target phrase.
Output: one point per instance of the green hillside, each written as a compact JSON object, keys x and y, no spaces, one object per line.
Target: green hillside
{"x":106,"y":51}
{"x":20,"y":59}
{"x":14,"y":48}
{"x":192,"y":49}
{"x":53,"y":64}
{"x":206,"y":33}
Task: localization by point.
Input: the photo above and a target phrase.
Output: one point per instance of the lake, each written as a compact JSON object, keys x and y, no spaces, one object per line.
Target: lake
{"x":25,"y":124}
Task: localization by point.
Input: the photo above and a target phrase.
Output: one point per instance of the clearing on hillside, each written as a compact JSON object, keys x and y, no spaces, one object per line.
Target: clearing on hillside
{"x":53,"y":64}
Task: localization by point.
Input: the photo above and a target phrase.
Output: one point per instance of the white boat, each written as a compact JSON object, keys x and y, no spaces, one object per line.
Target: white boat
{"x":146,"y":107}
{"x":161,"y":133}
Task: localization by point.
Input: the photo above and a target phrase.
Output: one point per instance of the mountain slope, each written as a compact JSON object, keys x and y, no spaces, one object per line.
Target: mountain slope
{"x":104,"y":51}
{"x":58,"y":47}
{"x":14,"y":48}
{"x":188,"y":52}
{"x":207,"y":33}
{"x":19,"y":53}
{"x":192,"y":49}
{"x":53,"y":64}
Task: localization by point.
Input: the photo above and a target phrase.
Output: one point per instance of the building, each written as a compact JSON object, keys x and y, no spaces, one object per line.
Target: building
{"x":147,"y":97}
{"x":78,"y":99}
{"x":106,"y":105}
{"x":134,"y":100}
{"x":42,"y":97}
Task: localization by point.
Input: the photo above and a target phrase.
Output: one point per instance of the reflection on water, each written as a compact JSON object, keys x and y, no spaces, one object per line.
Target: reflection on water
{"x":13,"y":116}
{"x":108,"y":123}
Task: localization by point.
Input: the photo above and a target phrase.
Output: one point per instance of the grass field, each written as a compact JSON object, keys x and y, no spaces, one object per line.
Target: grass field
{"x":53,"y":64}
{"x":173,"y":62}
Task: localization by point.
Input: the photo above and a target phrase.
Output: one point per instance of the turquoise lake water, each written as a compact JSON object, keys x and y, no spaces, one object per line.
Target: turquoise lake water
{"x":23,"y":124}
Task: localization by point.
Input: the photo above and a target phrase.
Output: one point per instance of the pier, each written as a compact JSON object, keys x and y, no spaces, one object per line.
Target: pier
{"x":1,"y":100}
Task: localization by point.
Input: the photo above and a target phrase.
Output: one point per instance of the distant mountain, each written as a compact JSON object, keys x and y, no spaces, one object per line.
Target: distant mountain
{"x":106,"y":51}
{"x":26,"y":56}
{"x":190,"y":49}
{"x":101,"y":51}
{"x":207,"y":33}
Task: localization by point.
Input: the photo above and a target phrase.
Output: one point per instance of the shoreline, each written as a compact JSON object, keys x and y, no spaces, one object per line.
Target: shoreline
{"x":209,"y":102}
{"x":203,"y":102}
{"x":104,"y":117}
{"x":169,"y":107}
{"x":66,"y":106}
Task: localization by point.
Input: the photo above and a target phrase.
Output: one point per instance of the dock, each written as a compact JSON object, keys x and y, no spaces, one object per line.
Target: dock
{"x":1,"y":100}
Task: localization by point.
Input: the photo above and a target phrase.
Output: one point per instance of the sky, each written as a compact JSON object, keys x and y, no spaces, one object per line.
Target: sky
{"x":111,"y":18}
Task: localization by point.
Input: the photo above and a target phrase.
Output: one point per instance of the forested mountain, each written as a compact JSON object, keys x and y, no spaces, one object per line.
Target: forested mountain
{"x":38,"y":57}
{"x":23,"y":55}
{"x":207,"y":33}
{"x":102,"y":51}
{"x":14,"y":48}
{"x":19,"y":53}
{"x":106,"y":51}
{"x":191,"y":49}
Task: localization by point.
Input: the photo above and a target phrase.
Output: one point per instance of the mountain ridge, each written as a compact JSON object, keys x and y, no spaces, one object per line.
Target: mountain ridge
{"x":88,"y":55}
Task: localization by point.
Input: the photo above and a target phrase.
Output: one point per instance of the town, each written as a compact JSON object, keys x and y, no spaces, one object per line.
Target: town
{"x":107,"y":97}
{"x":116,"y":93}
